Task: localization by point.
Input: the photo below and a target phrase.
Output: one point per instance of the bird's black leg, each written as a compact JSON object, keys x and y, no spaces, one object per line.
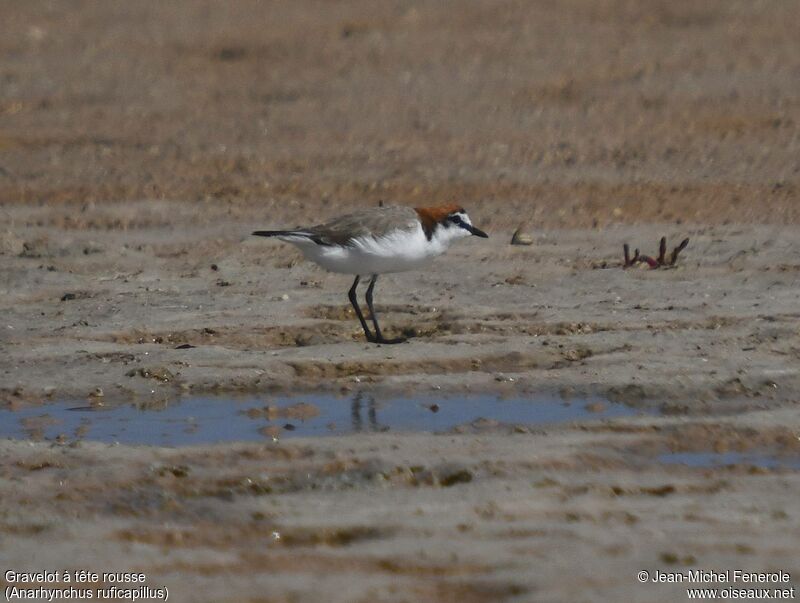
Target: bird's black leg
{"x":354,"y":301}
{"x":379,"y":338}
{"x":355,"y":412}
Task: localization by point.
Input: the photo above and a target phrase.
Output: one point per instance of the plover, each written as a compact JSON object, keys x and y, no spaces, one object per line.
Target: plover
{"x":377,"y":241}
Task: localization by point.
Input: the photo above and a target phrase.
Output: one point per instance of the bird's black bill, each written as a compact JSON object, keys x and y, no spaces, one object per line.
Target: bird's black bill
{"x":456,"y":219}
{"x":476,"y":231}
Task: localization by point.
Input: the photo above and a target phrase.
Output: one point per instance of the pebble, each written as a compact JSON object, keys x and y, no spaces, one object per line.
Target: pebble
{"x":521,"y":238}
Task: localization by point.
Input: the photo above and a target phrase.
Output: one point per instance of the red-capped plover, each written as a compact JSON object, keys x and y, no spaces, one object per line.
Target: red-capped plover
{"x":377,"y":241}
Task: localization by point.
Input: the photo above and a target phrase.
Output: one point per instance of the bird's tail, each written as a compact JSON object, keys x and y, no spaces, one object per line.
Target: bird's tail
{"x":281,"y":233}
{"x":293,"y":236}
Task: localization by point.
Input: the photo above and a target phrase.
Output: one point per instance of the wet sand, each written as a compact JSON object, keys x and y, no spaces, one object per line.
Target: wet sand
{"x":706,"y":351}
{"x":140,"y":146}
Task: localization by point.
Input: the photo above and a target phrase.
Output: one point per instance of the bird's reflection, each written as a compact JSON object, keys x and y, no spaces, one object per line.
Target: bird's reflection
{"x":355,"y":414}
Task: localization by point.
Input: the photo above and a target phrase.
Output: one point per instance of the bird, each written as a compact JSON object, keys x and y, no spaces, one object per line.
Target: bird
{"x":379,"y":240}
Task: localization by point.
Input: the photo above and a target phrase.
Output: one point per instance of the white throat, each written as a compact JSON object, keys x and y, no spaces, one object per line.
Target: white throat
{"x":445,"y":234}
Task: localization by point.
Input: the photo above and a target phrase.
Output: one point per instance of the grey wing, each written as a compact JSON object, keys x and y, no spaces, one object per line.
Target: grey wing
{"x":375,"y":221}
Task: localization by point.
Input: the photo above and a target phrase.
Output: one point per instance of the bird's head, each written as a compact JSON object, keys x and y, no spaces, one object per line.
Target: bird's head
{"x":447,"y":223}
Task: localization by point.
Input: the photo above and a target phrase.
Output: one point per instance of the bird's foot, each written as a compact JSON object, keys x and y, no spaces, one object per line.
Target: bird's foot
{"x":381,"y":339}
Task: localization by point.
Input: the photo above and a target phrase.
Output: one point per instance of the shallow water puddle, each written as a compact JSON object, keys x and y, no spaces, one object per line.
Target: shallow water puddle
{"x":715,"y":460}
{"x":204,"y":420}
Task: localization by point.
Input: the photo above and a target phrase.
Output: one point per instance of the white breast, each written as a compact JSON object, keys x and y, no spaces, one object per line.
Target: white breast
{"x":395,"y":252}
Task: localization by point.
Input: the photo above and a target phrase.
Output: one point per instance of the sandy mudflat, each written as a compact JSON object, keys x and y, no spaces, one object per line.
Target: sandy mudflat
{"x":705,"y":353}
{"x":141,"y":143}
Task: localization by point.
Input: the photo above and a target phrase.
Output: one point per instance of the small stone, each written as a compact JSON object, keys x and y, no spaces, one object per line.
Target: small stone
{"x":521,"y":238}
